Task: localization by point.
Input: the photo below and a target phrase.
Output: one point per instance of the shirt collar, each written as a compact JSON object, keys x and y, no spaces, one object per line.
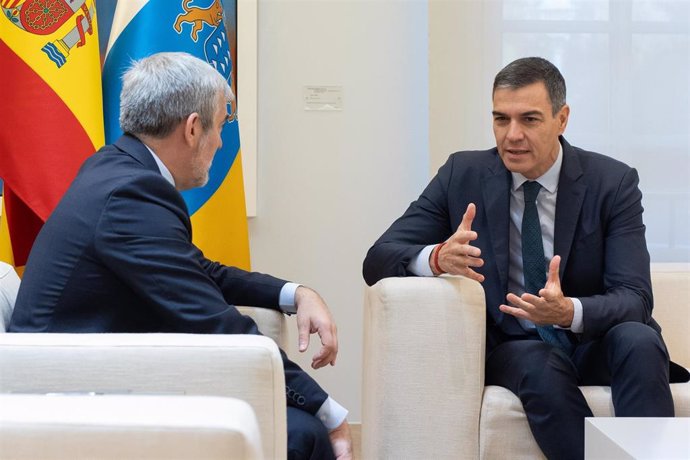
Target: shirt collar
{"x":165,"y":172}
{"x":548,"y":180}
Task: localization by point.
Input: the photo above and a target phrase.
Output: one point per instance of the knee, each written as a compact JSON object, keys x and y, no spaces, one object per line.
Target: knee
{"x":635,"y":340}
{"x":307,"y":436}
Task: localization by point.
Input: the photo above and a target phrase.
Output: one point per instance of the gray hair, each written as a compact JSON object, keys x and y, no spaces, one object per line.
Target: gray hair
{"x":525,"y":71}
{"x":161,"y":90}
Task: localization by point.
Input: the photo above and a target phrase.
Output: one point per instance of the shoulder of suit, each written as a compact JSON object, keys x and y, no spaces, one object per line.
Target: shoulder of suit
{"x":474,"y":157}
{"x":473,"y":162}
{"x":598,"y":162}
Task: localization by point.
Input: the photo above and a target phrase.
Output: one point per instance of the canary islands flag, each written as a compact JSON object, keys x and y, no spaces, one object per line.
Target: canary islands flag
{"x":51,"y":111}
{"x":144,"y":27}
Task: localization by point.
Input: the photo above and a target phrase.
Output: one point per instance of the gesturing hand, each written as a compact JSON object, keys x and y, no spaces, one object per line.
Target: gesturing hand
{"x":313,"y":317}
{"x":550,"y":307}
{"x":456,"y":256}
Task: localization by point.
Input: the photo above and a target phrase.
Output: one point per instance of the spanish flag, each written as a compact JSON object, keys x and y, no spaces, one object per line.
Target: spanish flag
{"x":51,"y":111}
{"x":144,"y":27}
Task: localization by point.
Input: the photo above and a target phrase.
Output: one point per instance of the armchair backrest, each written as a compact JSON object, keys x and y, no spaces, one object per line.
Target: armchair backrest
{"x":9,"y":285}
{"x":671,"y":287}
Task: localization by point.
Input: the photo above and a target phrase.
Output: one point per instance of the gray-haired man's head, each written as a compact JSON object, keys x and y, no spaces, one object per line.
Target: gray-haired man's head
{"x":161,"y":90}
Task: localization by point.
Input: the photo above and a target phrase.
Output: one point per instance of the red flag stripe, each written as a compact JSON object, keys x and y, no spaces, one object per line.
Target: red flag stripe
{"x":42,"y":145}
{"x":23,"y":226}
{"x":38,"y":130}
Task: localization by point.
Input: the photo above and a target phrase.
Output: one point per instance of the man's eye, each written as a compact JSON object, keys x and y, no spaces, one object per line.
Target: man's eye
{"x":531,"y":119}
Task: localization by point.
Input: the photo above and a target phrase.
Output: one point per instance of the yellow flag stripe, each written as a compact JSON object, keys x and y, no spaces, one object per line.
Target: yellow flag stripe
{"x":220,"y":226}
{"x":77,"y":82}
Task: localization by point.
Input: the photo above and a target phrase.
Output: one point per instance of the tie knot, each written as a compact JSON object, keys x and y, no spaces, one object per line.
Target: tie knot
{"x":531,"y":190}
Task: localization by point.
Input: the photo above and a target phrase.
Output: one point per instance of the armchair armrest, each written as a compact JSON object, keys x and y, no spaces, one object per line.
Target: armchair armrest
{"x":271,"y":323}
{"x":113,"y":427}
{"x":423,"y":373}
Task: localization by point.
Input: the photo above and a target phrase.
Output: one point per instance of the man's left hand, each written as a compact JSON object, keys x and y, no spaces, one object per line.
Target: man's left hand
{"x":313,"y":317}
{"x":550,"y":307}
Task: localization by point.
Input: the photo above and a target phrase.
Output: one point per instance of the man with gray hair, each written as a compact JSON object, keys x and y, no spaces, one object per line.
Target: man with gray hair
{"x":555,"y":235}
{"x":116,"y":254}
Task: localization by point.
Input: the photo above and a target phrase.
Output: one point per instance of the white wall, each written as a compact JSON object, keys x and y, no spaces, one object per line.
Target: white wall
{"x":460,"y":120}
{"x":329,"y":183}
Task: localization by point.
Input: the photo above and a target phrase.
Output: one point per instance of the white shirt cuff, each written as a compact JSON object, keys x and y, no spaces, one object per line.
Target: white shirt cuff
{"x":287,"y":298}
{"x":420,"y":265}
{"x":331,"y":414}
{"x":576,"y":326}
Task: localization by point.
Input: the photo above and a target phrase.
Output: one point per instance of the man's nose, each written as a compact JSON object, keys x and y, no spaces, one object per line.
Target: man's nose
{"x":515,"y":132}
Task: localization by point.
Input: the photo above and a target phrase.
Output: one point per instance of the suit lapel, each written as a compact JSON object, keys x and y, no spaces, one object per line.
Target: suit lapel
{"x":496,"y":195}
{"x":571,"y":195}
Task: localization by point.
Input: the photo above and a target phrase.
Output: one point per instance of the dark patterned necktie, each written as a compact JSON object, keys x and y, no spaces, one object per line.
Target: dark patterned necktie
{"x":534,"y":264}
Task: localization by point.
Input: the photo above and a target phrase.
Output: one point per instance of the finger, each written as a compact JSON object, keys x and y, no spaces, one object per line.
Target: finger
{"x":303,"y":335}
{"x":531,"y":298}
{"x":319,"y":359}
{"x":468,"y":217}
{"x":554,"y":266}
{"x":471,"y":261}
{"x":460,"y":250}
{"x":462,"y":237}
{"x":469,"y":273}
{"x":517,"y":312}
{"x":519,"y":302}
{"x":323,"y":357}
{"x":329,"y":340}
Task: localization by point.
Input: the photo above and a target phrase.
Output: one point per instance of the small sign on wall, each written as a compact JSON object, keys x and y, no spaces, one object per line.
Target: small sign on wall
{"x":323,"y":98}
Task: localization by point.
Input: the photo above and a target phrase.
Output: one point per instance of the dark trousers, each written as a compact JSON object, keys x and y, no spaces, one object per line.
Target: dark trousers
{"x":631,"y":358}
{"x":307,"y":437}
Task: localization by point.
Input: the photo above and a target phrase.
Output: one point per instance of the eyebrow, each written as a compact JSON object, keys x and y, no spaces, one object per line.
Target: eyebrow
{"x":524,"y":114}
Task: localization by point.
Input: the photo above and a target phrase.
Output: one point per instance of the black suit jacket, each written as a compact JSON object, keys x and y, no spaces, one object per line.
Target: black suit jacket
{"x":116,"y":255}
{"x":598,"y":233}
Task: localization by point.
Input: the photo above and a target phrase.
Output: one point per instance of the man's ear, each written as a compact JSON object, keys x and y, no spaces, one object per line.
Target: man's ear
{"x":192,"y":129}
{"x":562,"y":116}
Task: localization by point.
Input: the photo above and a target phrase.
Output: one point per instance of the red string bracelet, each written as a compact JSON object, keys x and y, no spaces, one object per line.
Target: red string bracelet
{"x":434,"y":260}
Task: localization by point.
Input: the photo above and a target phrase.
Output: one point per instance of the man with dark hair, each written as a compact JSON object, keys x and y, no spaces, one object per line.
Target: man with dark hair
{"x":555,"y":235}
{"x":116,"y":254}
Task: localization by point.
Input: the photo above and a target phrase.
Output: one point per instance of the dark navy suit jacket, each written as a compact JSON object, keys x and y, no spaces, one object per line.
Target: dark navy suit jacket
{"x":598,"y":233}
{"x":116,"y":255}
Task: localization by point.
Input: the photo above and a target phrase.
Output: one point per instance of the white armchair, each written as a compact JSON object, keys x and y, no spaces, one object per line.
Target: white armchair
{"x":423,"y":376}
{"x":245,"y":367}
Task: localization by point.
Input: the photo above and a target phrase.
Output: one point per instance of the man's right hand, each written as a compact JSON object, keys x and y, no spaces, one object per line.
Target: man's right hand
{"x":341,"y":440}
{"x":456,"y":256}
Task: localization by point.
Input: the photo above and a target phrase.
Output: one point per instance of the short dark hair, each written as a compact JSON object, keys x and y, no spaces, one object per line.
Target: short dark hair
{"x":525,"y":71}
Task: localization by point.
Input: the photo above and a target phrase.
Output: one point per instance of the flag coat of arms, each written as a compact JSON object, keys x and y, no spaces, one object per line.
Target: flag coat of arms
{"x":144,"y":27}
{"x":52,"y":111}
